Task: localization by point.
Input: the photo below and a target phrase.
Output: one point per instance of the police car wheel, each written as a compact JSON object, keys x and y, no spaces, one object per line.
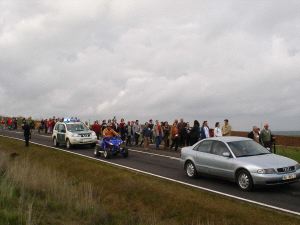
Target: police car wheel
{"x":68,"y":144}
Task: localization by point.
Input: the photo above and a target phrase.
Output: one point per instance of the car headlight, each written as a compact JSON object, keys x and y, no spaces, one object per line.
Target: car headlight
{"x":93,"y":134}
{"x":75,"y":135}
{"x":266,"y":171}
{"x":297,"y":166}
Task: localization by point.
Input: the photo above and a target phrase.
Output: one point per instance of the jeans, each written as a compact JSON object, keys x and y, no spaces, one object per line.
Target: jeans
{"x":157,"y":141}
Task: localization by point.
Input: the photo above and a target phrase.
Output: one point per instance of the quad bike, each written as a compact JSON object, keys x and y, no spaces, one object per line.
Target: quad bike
{"x":110,"y":146}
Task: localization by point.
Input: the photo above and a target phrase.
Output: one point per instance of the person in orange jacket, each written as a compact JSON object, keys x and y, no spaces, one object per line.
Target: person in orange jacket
{"x":108,"y":132}
{"x":175,"y":135}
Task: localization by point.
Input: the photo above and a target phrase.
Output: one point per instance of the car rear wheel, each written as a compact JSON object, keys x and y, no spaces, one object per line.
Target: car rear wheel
{"x":244,"y":180}
{"x":190,"y":169}
{"x":55,"y":143}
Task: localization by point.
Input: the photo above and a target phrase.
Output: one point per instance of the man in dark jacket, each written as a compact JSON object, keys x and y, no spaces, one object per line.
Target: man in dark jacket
{"x":254,"y":134}
{"x":27,"y":133}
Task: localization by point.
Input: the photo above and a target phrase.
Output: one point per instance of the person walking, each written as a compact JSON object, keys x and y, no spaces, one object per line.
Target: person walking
{"x":205,"y":130}
{"x":195,"y":133}
{"x":27,"y":133}
{"x":158,"y":133}
{"x":129,"y":133}
{"x":96,"y":128}
{"x":122,"y":129}
{"x":254,"y":134}
{"x":188,"y":134}
{"x":217,"y":130}
{"x":137,"y":132}
{"x":151,"y":126}
{"x":265,"y":137}
{"x":166,"y":134}
{"x":146,"y":133}
{"x":226,"y":129}
{"x":175,"y":135}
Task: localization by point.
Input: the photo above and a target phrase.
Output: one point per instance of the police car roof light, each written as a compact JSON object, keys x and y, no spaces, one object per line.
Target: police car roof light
{"x":68,"y":120}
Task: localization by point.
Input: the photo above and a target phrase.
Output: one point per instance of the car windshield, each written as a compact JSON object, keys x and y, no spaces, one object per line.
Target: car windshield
{"x":76,"y":127}
{"x":247,"y":148}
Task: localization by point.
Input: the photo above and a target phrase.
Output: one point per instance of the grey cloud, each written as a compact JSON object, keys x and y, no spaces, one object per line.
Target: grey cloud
{"x":205,"y":60}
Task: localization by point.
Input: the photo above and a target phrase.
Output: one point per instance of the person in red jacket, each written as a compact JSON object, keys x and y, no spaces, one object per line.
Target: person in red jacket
{"x":96,"y":127}
{"x":9,"y":123}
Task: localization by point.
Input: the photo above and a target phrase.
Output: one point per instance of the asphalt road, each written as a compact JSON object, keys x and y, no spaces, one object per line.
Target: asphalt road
{"x":166,"y":164}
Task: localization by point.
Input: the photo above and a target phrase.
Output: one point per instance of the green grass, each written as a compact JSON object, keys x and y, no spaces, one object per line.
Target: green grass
{"x":291,"y":152}
{"x":45,"y":186}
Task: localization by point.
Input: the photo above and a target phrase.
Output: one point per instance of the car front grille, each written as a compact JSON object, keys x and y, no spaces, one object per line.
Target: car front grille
{"x":84,"y":135}
{"x":286,"y":169}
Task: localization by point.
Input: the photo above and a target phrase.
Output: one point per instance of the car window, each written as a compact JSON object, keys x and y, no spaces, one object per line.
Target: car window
{"x":247,"y":148}
{"x":204,"y":146}
{"x":218,"y":148}
{"x":56,"y":127}
{"x":61,"y":128}
{"x":76,"y":127}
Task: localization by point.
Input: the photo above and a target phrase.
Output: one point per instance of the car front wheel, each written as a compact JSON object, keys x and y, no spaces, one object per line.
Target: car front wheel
{"x":190,"y":169}
{"x":69,"y":145}
{"x":244,"y":180}
{"x":106,"y":154}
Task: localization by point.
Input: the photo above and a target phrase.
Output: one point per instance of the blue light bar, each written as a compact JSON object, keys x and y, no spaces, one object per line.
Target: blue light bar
{"x":68,"y":120}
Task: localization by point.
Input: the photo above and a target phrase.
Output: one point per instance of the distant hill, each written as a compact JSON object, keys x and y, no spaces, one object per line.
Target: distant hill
{"x":287,"y":133}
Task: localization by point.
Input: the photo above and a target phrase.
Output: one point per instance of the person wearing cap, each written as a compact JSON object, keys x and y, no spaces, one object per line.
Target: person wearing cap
{"x":108,"y":132}
{"x":226,"y":129}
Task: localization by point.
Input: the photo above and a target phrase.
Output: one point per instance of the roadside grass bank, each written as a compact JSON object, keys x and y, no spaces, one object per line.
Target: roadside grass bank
{"x":45,"y":186}
{"x":291,"y":152}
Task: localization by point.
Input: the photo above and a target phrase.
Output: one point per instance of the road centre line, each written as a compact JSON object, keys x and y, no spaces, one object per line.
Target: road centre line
{"x":154,"y":154}
{"x":168,"y":179}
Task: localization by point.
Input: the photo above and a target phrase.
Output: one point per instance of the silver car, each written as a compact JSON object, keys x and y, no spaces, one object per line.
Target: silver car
{"x":241,"y":160}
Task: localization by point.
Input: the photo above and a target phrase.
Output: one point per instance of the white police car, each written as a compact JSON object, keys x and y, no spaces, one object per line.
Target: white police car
{"x":73,"y":132}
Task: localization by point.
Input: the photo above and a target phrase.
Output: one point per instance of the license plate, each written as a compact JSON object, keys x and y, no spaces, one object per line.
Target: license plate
{"x":289,"y":176}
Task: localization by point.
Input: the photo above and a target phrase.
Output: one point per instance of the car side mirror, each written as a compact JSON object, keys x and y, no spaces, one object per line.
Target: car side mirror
{"x":226,"y":154}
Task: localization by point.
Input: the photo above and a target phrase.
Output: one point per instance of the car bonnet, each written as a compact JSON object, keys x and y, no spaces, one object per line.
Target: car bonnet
{"x":267,"y":161}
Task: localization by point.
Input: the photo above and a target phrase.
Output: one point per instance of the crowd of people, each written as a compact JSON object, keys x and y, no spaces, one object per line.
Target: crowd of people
{"x":178,"y":134}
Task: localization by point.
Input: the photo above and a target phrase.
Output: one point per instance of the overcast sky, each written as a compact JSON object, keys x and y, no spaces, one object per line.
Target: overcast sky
{"x":205,"y":60}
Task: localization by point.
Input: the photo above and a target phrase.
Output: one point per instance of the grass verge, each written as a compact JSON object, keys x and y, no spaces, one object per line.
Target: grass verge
{"x":291,"y":152}
{"x":44,"y":186}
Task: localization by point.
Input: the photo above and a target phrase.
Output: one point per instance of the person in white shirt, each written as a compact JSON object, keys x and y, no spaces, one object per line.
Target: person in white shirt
{"x":205,"y":130}
{"x":217,"y":130}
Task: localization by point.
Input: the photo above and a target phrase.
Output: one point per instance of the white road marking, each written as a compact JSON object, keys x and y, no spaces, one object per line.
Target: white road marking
{"x":169,"y":179}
